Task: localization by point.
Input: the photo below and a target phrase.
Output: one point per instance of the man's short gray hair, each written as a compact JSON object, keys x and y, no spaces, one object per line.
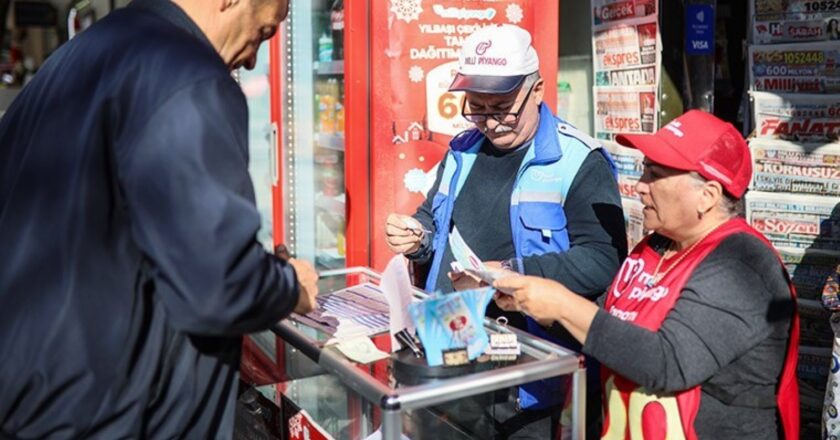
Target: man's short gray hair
{"x":530,"y":80}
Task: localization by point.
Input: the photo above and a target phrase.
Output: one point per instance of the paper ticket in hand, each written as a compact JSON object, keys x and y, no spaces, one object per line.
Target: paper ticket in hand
{"x":469,"y":262}
{"x":489,"y":275}
{"x":462,"y":252}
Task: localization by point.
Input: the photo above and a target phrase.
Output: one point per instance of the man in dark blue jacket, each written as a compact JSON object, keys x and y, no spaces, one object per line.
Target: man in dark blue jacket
{"x":130,"y":268}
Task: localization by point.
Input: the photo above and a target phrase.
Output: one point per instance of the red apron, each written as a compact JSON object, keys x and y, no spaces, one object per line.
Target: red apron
{"x":633,"y":412}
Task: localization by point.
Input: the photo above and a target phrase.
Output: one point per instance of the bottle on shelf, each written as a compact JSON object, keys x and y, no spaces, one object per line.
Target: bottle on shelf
{"x":339,"y":108}
{"x":326,"y":114}
{"x":337,"y":27}
{"x":339,"y":117}
{"x":341,"y":244}
{"x":330,"y":182}
{"x":334,"y":90}
{"x":326,"y":106}
{"x":325,"y":48}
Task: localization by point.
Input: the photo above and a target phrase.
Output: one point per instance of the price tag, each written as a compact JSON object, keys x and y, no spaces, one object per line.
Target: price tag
{"x":454,"y":357}
{"x":503,"y":340}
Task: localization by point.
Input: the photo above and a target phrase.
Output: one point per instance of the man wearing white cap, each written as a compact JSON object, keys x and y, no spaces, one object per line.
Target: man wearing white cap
{"x":525,"y":189}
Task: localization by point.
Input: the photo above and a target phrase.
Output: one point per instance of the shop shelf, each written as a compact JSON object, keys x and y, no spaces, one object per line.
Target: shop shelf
{"x":330,"y":67}
{"x":334,"y":205}
{"x":331,"y":141}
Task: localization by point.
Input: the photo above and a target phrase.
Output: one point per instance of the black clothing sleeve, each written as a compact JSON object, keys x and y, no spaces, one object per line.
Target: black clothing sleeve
{"x":426,"y":218}
{"x":185,"y":178}
{"x":729,"y":327}
{"x":598,"y":240}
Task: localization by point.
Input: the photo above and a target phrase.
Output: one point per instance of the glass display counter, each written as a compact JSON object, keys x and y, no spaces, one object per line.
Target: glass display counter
{"x":327,"y":395}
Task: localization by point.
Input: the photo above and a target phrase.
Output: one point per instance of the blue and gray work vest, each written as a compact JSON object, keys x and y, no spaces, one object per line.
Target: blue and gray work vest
{"x":537,"y":218}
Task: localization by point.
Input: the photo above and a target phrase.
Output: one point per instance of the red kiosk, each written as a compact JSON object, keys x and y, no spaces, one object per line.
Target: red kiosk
{"x":354,"y":121}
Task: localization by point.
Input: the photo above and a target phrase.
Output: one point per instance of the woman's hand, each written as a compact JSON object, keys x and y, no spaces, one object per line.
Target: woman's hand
{"x":537,"y":297}
{"x":547,"y":301}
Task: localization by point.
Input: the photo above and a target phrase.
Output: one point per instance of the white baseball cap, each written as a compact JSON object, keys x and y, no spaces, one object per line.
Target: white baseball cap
{"x":495,"y":59}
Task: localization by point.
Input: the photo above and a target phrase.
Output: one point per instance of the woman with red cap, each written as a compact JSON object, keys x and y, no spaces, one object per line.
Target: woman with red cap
{"x":697,"y":336}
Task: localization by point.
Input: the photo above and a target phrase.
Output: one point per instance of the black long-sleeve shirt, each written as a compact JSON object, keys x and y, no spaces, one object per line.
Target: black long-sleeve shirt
{"x":728,"y":332}
{"x":130,"y":265}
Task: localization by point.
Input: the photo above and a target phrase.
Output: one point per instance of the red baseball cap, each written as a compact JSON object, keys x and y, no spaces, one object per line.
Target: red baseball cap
{"x":698,"y":141}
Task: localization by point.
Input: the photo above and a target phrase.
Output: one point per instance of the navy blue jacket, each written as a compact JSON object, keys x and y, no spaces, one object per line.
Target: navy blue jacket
{"x":129,"y":265}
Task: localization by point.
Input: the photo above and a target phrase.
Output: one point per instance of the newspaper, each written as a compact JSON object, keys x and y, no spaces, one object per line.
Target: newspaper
{"x":629,"y":163}
{"x":814,"y":325}
{"x":795,"y":222}
{"x":775,"y":21}
{"x":637,"y":76}
{"x":624,"y":110}
{"x":799,"y":68}
{"x":608,"y":12}
{"x":797,"y":117}
{"x":626,"y":54}
{"x":780,"y":166}
{"x":626,"y":59}
{"x":814,"y":362}
{"x":634,"y":219}
{"x":810,"y":270}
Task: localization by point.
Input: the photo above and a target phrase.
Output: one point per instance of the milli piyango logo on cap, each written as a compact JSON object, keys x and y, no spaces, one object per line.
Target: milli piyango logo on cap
{"x":480,"y":50}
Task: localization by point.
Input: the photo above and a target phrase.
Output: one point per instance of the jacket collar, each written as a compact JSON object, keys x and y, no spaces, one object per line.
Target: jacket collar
{"x":467,"y":140}
{"x":172,"y":13}
{"x":546,"y":146}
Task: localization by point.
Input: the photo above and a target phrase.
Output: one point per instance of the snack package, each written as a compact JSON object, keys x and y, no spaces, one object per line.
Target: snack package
{"x":451,"y":322}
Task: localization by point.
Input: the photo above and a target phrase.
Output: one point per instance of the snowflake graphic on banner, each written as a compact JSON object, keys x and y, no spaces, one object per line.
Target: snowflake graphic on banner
{"x":514,"y":14}
{"x":407,"y":10}
{"x":415,"y":180}
{"x":415,"y":74}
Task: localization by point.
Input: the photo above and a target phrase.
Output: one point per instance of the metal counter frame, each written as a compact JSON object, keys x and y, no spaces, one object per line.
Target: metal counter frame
{"x":552,"y":360}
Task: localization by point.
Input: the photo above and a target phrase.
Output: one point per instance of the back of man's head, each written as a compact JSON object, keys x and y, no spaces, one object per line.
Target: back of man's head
{"x":236,"y":28}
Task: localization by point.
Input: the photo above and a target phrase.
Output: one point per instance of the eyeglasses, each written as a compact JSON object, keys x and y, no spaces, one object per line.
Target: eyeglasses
{"x":502,"y":118}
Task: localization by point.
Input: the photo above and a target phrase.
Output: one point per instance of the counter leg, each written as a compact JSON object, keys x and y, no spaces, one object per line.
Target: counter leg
{"x":579,"y":404}
{"x":391,"y":424}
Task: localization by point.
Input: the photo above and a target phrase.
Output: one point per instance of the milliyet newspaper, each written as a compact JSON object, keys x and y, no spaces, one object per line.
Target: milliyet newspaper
{"x":797,"y":68}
